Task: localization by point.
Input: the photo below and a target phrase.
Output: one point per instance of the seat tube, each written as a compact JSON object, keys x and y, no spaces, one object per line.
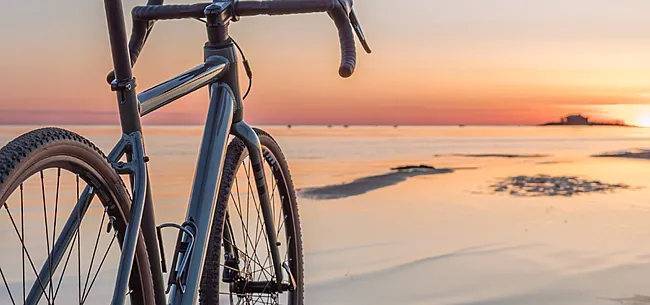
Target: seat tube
{"x":124,"y":83}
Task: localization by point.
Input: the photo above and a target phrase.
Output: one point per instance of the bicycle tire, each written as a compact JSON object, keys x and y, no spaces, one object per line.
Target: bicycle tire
{"x":273,"y":157}
{"x":47,"y":148}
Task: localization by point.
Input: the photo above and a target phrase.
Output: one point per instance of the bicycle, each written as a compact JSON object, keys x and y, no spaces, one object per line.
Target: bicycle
{"x":208,"y":241}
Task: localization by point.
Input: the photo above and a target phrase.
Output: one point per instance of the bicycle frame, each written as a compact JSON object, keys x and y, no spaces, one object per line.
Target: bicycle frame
{"x":225,"y":117}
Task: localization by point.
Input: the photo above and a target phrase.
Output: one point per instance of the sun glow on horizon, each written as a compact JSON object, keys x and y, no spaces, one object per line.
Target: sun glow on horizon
{"x":643,"y":121}
{"x":631,"y":114}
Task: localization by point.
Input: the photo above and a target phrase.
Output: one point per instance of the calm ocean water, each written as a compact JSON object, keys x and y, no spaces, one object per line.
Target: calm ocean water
{"x":394,"y":235}
{"x":319,"y":154}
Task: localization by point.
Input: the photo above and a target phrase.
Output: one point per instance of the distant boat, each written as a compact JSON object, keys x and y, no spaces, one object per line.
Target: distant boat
{"x":345,"y":126}
{"x":288,"y":126}
{"x":395,"y":126}
{"x":329,"y":126}
{"x":461,"y":125}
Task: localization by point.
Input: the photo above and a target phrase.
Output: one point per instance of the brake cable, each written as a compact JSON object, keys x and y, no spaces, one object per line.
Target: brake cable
{"x":247,"y":66}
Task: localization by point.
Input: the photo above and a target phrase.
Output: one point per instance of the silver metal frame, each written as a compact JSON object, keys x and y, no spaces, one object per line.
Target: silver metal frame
{"x":182,"y":84}
{"x":206,"y":182}
{"x":196,"y":228}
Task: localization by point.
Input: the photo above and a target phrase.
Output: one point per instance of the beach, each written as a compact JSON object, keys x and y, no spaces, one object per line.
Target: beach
{"x":373,"y":234}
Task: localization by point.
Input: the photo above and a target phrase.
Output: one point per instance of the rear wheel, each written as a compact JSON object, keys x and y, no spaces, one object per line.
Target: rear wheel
{"x":238,"y":254}
{"x":47,"y":228}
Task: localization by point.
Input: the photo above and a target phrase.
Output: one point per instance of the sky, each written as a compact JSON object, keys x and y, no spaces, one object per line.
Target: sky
{"x":433,"y":62}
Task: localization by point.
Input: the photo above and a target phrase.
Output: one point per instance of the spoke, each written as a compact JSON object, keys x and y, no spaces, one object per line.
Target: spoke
{"x":56,"y":211}
{"x":268,"y":254}
{"x":286,"y":253}
{"x":236,"y":203}
{"x":281,"y":214}
{"x":56,"y":204}
{"x":271,"y":202}
{"x":29,"y":258}
{"x":78,"y":245}
{"x":264,"y":269}
{"x":47,"y":233}
{"x":260,"y":296}
{"x":248,"y":213}
{"x":22,"y":233}
{"x":245,"y":232}
{"x":241,"y":217}
{"x":248,"y":258}
{"x":273,"y":195}
{"x":257,"y":242}
{"x":272,"y":190}
{"x":258,"y":230}
{"x":246,"y":255}
{"x":245,"y":229}
{"x":231,"y":268}
{"x":248,"y":178}
{"x":259,"y":276}
{"x":281,"y":225}
{"x":239,"y":201}
{"x":65,"y":267}
{"x":99,"y":268}
{"x":231,"y":233}
{"x":92,"y":258}
{"x":257,"y":223}
{"x":242,"y":222}
{"x":7,"y":286}
{"x":260,"y":235}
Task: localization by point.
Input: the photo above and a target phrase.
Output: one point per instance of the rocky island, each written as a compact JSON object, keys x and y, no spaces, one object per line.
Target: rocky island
{"x":579,"y":120}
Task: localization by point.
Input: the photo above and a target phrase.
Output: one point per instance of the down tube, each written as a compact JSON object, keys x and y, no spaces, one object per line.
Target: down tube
{"x":206,"y":182}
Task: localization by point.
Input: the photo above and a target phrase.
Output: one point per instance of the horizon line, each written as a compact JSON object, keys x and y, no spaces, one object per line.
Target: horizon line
{"x":296,"y":125}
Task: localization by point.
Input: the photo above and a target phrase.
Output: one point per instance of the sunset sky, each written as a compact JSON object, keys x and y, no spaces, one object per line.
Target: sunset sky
{"x":434,"y":62}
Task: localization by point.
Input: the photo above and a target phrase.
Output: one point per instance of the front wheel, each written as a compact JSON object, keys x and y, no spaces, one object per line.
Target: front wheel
{"x":63,"y":215}
{"x":238,"y":253}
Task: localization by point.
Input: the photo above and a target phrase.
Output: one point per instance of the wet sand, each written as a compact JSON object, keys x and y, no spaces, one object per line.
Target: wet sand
{"x":545,"y":185}
{"x":366,"y":184}
{"x":492,"y":155}
{"x":632,"y":154}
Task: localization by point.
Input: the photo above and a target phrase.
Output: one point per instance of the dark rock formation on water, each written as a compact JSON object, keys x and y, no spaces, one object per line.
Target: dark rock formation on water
{"x":631,"y":153}
{"x":544,"y":185}
{"x":421,"y":167}
{"x":501,"y":155}
{"x":370,"y":183}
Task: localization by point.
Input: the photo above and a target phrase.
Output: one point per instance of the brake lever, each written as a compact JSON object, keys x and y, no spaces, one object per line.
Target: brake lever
{"x":354,"y":21}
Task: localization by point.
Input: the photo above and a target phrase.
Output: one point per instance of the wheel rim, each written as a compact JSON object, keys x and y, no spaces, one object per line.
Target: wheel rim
{"x":245,"y":224}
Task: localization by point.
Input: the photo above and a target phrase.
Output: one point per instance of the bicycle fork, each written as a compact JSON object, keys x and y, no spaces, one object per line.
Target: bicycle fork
{"x":246,"y":133}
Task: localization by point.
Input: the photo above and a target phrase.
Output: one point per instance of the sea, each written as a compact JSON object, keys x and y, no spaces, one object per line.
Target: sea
{"x":443,"y":238}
